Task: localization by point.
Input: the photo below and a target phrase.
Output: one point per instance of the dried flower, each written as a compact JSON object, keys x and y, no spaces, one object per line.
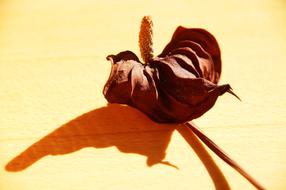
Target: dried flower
{"x":177,"y":86}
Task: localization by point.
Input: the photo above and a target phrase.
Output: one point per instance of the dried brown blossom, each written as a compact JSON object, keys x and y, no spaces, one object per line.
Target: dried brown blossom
{"x":177,"y":86}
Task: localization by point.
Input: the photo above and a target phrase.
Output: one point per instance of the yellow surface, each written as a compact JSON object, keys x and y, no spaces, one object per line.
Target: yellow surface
{"x":56,"y":131}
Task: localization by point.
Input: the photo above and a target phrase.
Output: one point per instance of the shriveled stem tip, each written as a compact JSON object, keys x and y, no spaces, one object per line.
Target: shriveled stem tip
{"x":145,"y":39}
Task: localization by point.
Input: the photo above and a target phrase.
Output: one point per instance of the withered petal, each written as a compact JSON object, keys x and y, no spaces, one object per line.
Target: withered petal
{"x":178,"y":85}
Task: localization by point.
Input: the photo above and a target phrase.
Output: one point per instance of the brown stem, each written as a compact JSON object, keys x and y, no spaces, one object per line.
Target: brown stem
{"x":220,"y":153}
{"x":214,"y":171}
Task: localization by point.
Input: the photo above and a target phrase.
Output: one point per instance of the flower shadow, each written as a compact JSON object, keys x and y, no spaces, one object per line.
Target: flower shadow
{"x":126,"y":128}
{"x":114,"y":125}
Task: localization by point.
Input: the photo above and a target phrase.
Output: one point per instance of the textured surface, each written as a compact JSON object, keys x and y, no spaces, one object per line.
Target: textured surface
{"x":57,"y":132}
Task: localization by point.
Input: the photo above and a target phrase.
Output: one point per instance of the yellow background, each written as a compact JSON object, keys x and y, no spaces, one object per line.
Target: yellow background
{"x":56,"y":131}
